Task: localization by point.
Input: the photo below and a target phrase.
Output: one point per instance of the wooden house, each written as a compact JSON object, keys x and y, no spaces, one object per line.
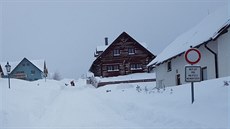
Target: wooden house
{"x":123,"y":56}
{"x":26,"y":69}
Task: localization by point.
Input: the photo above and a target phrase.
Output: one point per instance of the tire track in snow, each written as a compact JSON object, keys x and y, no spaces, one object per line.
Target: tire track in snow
{"x":81,"y":109}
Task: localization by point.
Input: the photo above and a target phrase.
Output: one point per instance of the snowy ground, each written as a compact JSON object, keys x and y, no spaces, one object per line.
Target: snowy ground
{"x":52,"y":105}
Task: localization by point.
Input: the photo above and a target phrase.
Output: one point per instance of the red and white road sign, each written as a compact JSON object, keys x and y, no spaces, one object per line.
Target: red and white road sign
{"x":192,"y":56}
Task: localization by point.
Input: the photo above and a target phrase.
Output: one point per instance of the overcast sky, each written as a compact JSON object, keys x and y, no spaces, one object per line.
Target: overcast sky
{"x":66,"y":32}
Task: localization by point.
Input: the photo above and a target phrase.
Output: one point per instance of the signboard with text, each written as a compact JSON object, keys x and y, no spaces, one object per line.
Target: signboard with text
{"x":192,"y":73}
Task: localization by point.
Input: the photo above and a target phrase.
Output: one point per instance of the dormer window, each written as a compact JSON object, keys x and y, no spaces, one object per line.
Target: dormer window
{"x":116,"y":52}
{"x":131,"y":51}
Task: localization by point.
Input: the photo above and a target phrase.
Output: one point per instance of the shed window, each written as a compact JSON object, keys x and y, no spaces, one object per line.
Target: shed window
{"x":169,"y":66}
{"x":135,"y":67}
{"x":131,"y":51}
{"x":20,"y":72}
{"x":111,"y":68}
{"x":116,"y":52}
{"x":32,"y":72}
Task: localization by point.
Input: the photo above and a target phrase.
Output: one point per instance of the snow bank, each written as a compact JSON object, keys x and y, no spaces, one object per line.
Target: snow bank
{"x":171,"y":108}
{"x":25,"y":101}
{"x":135,"y":76}
{"x":52,"y":105}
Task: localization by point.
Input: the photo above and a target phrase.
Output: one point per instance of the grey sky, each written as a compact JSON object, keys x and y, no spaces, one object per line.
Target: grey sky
{"x":66,"y":32}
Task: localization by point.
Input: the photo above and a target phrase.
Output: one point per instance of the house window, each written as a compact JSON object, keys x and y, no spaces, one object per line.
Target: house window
{"x":32,"y":72}
{"x":135,"y":67}
{"x":204,"y":73}
{"x":169,"y":66}
{"x":131,"y":51}
{"x":27,"y":64}
{"x":111,"y":68}
{"x":23,"y":64}
{"x":116,"y":52}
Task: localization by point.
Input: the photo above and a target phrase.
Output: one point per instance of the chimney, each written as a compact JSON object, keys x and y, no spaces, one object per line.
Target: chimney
{"x":106,"y":41}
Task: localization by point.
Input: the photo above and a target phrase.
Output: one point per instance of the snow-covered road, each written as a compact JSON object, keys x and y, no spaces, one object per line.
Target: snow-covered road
{"x":52,"y":105}
{"x":78,"y":109}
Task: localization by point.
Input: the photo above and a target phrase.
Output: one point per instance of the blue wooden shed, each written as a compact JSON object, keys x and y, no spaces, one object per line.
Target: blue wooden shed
{"x":30,"y":70}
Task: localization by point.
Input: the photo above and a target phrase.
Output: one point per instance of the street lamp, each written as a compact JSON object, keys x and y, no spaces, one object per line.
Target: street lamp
{"x":8,"y":68}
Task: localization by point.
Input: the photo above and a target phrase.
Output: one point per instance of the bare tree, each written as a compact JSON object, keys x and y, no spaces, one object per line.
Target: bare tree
{"x":45,"y":71}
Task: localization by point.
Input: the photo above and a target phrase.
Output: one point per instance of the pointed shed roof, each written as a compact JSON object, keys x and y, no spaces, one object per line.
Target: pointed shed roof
{"x":37,"y":63}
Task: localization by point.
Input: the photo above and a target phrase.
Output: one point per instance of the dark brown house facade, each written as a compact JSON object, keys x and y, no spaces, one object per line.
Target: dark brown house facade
{"x":124,"y":56}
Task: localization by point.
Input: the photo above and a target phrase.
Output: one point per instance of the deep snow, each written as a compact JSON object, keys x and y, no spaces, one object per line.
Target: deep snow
{"x":52,"y":105}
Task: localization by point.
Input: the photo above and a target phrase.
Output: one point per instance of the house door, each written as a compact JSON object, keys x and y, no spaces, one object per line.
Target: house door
{"x":204,"y":73}
{"x":160,"y":84}
{"x":178,"y":82}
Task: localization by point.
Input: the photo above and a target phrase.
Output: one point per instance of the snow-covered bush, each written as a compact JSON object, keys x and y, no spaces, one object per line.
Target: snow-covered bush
{"x":56,"y":76}
{"x":146,"y":90}
{"x":226,"y":83}
{"x":138,"y":88}
{"x":171,"y":91}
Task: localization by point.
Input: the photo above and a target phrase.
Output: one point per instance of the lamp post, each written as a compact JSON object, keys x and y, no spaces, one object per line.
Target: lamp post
{"x":8,"y":68}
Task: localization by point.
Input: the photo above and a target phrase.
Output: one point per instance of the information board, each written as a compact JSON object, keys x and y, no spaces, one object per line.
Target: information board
{"x":192,"y":73}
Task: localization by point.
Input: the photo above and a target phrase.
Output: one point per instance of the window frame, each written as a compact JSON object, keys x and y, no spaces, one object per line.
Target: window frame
{"x":204,"y":73}
{"x":32,"y":72}
{"x":116,"y":52}
{"x":136,"y":66}
{"x":131,"y":51}
{"x":112,"y":68}
{"x":169,"y":66}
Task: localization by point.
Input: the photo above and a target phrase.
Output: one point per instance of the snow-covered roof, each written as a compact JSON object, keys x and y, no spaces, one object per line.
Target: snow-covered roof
{"x":206,"y":30}
{"x":101,"y":48}
{"x":104,"y":47}
{"x":12,"y":64}
{"x":89,"y":74}
{"x":144,"y":45}
{"x":38,"y":63}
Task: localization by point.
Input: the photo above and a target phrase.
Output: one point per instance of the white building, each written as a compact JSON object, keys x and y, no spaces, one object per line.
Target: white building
{"x":211,"y":37}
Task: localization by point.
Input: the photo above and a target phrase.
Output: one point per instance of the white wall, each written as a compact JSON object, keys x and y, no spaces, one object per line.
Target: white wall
{"x":224,"y":55}
{"x":178,"y":64}
{"x":169,"y":77}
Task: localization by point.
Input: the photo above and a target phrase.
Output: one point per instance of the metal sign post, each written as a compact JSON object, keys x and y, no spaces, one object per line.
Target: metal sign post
{"x":192,"y":72}
{"x":192,"y":90}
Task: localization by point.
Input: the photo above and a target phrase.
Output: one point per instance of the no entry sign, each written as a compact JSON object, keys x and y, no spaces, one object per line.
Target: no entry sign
{"x":192,"y":56}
